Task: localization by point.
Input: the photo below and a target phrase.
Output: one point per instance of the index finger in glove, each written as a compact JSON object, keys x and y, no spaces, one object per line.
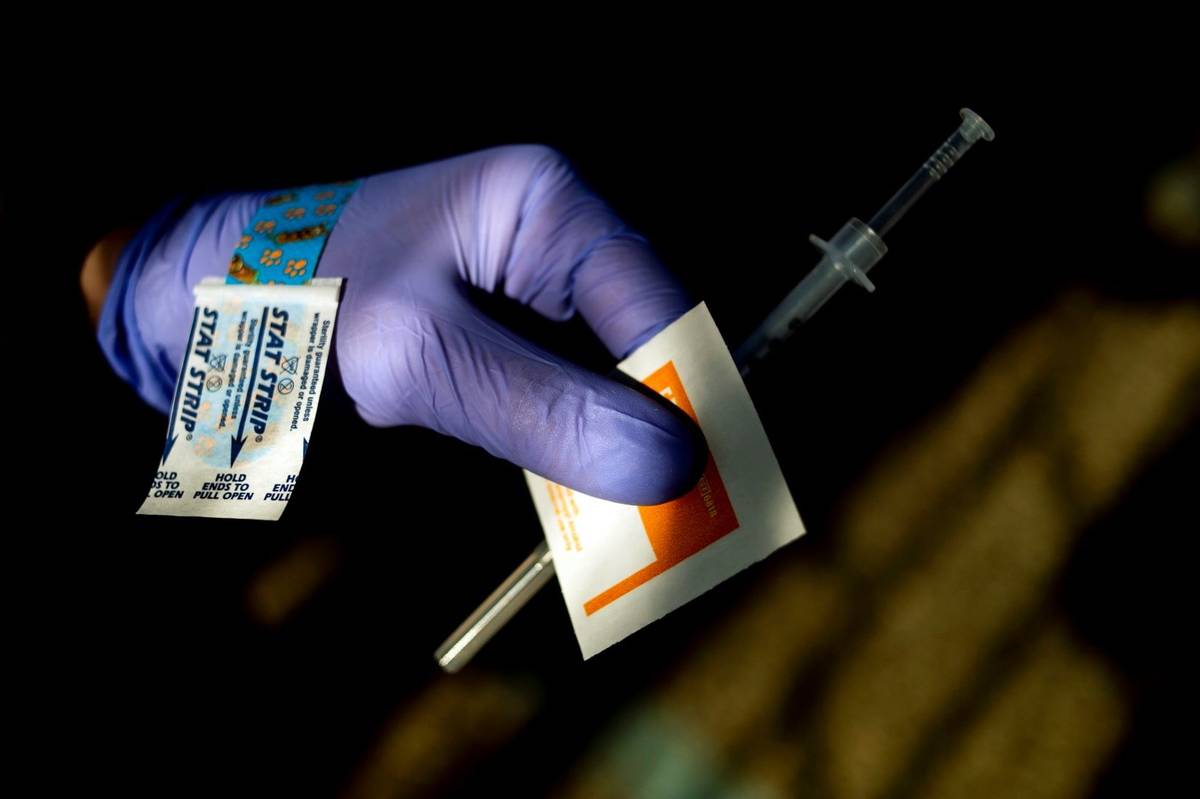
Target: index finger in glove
{"x":569,"y":251}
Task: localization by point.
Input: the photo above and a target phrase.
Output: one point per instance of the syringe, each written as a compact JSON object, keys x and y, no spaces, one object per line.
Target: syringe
{"x":857,"y":247}
{"x":849,"y":255}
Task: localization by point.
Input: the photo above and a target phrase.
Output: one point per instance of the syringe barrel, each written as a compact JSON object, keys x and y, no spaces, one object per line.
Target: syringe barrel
{"x":848,"y":256}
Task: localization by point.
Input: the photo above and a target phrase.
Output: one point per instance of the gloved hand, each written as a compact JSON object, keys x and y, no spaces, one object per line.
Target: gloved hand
{"x":411,"y":347}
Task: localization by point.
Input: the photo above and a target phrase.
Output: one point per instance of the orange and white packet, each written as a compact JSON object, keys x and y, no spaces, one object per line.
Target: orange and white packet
{"x":621,"y":567}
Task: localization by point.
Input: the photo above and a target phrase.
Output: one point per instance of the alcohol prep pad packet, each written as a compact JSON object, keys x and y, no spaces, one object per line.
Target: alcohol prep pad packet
{"x":245,"y":400}
{"x":620,"y":567}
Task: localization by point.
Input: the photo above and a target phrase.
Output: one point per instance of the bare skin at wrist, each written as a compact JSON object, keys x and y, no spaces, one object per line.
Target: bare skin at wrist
{"x":98,"y":268}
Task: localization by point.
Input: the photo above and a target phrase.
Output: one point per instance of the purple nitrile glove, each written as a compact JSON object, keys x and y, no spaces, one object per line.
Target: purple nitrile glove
{"x":411,"y":347}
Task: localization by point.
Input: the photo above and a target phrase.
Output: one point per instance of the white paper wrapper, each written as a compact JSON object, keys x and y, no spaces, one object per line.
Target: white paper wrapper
{"x":621,"y":567}
{"x":246,"y":399}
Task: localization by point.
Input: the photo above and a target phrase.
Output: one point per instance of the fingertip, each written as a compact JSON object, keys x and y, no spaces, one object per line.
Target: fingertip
{"x":660,"y":455}
{"x":687,"y":455}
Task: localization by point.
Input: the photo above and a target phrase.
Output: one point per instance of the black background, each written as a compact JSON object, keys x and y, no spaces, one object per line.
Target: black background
{"x":150,"y":675}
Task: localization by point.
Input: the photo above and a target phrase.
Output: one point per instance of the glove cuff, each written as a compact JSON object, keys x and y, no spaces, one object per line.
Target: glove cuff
{"x":143,"y":323}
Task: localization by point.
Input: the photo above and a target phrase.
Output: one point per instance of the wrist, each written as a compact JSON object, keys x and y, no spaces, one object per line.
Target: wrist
{"x":99,"y":265}
{"x":143,"y":318}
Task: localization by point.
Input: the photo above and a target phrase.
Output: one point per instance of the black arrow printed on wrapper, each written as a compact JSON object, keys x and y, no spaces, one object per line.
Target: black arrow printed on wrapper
{"x":239,"y":441}
{"x":179,"y":389}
